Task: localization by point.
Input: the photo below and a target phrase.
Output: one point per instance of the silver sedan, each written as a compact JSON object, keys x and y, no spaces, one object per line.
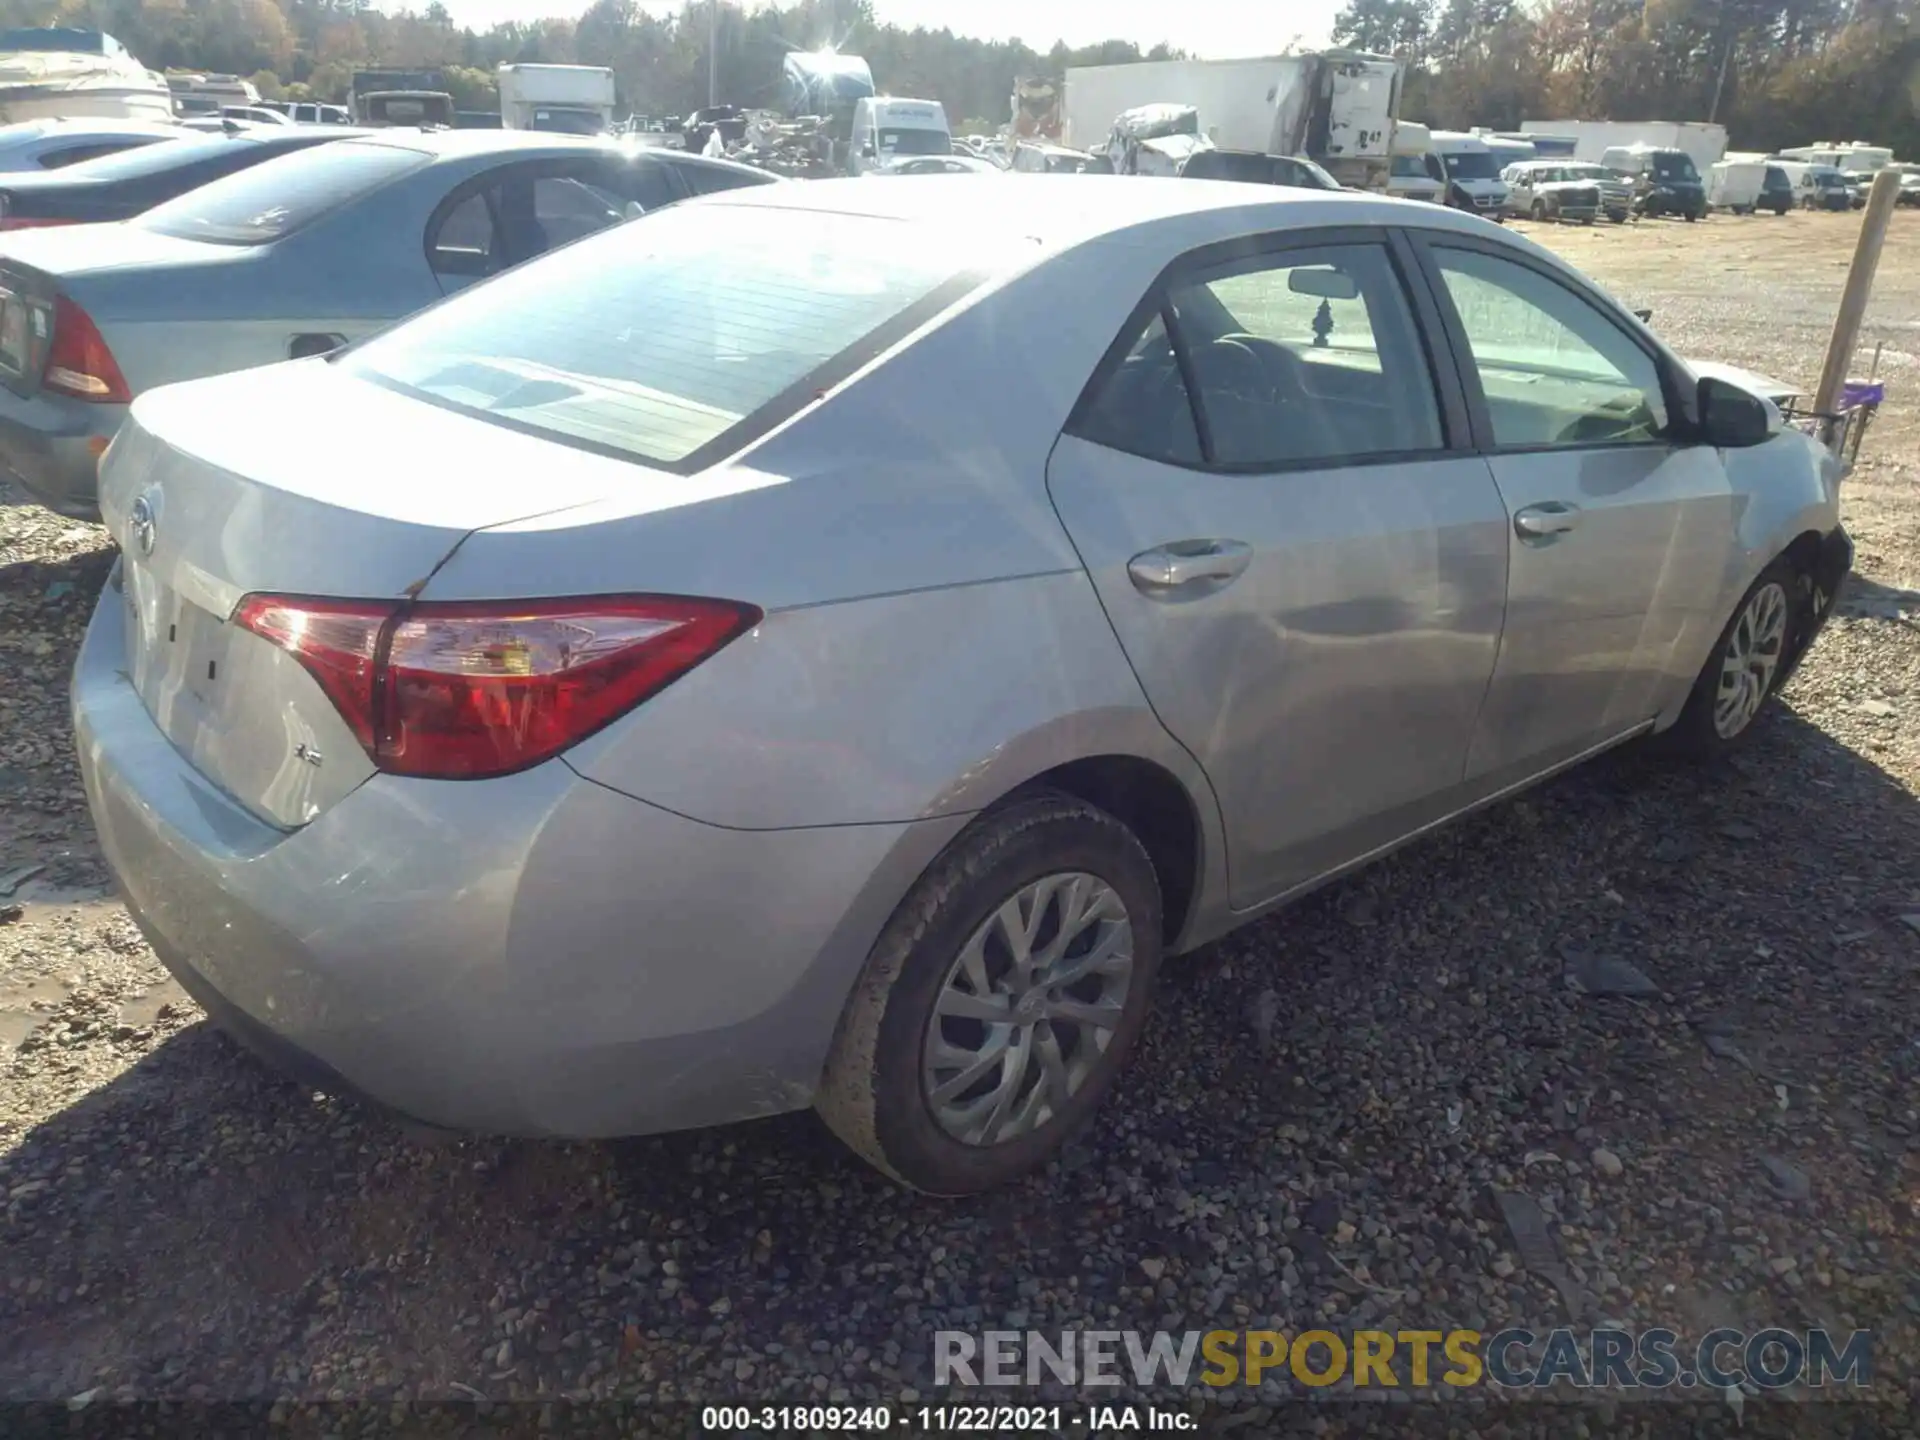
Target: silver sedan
{"x":633,"y":695}
{"x":293,"y":256}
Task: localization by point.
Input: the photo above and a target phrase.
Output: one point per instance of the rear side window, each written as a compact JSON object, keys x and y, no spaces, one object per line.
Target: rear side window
{"x":666,"y":338}
{"x":1144,"y":407}
{"x":80,"y":154}
{"x":156,"y":159}
{"x":266,"y":201}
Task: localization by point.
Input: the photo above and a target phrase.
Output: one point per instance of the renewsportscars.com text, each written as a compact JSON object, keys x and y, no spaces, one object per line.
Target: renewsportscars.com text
{"x":1515,"y":1359}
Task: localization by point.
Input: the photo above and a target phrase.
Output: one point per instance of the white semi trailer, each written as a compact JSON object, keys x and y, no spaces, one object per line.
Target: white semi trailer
{"x":1337,"y":107}
{"x":1704,"y":143}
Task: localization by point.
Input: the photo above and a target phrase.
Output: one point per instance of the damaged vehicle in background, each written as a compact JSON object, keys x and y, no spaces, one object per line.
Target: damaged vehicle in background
{"x":291,"y":258}
{"x":1543,"y":190}
{"x":632,"y":695}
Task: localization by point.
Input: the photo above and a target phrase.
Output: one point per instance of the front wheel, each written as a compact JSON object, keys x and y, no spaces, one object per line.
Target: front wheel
{"x":1539,"y":211}
{"x":1747,"y":662}
{"x":1691,"y":217}
{"x":1001,"y":1001}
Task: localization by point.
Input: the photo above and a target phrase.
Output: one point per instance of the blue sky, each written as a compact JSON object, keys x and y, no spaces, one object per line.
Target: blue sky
{"x":1213,"y":28}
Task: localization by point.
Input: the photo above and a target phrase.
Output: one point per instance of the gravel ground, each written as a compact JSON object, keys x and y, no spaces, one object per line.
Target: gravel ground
{"x":1738,"y":1147}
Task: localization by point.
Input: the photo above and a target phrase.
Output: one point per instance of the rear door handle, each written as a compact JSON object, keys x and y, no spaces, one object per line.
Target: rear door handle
{"x":1182,"y":563}
{"x":1549,"y":517}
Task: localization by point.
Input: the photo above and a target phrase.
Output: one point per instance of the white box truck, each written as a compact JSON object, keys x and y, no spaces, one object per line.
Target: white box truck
{"x":1704,"y":144}
{"x":1336,"y":107}
{"x":571,"y":99}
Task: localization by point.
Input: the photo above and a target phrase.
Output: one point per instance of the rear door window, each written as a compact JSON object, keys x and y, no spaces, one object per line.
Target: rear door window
{"x":265,"y":202}
{"x":1307,"y":357}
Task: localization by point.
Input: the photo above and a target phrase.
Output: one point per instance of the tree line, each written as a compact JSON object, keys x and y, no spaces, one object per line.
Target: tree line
{"x":308,"y":49}
{"x":1776,"y":72}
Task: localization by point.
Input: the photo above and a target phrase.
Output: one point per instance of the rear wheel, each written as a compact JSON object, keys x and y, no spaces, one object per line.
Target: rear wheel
{"x":1741,"y":674}
{"x":1001,"y":1001}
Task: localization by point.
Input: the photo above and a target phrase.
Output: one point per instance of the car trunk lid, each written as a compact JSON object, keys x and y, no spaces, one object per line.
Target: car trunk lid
{"x":223,"y":488}
{"x":90,"y":265}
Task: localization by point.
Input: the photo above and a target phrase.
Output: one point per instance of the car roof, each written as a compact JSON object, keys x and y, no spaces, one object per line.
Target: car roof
{"x":86,"y":125}
{"x":1062,"y":211}
{"x":485,"y":142}
{"x":462,"y":144}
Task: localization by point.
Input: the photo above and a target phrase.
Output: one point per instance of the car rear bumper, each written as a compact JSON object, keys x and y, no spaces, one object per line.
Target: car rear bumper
{"x":52,"y":445}
{"x":537,"y":955}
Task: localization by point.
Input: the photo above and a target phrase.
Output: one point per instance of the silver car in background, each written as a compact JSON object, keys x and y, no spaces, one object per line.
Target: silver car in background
{"x":294,"y":256}
{"x":634,"y":695}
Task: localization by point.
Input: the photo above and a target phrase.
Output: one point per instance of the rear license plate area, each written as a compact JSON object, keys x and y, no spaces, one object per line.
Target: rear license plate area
{"x":174,"y":647}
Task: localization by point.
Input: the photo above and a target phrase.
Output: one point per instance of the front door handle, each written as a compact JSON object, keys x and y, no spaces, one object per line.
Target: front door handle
{"x":1182,"y":563}
{"x":1550,"y":517}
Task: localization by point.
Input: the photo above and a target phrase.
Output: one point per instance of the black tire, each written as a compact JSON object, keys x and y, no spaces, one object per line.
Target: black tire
{"x":1694,"y":735}
{"x":872,"y":1093}
{"x":1539,"y":212}
{"x":1691,"y":217}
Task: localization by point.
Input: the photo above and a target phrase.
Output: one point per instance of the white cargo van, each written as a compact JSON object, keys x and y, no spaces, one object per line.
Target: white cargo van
{"x":1468,"y":169}
{"x":885,"y":129}
{"x":1409,"y":176}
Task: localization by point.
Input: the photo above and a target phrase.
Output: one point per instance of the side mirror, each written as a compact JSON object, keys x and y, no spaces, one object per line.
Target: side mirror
{"x":1731,"y":418}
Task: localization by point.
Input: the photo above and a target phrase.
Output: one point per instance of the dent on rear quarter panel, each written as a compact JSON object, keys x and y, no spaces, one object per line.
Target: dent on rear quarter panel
{"x":931,"y":639}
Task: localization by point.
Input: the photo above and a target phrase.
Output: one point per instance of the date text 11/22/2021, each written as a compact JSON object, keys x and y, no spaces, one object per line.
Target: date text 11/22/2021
{"x":937,"y":1419}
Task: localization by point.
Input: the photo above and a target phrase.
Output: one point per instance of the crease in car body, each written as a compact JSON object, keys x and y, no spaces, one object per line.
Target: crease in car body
{"x":1146,"y":696}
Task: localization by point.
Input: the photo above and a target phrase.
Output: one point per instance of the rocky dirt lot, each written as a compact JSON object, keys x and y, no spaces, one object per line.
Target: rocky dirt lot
{"x":1314,"y":1131}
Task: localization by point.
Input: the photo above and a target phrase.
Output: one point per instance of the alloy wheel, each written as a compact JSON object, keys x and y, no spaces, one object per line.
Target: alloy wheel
{"x":1751,"y":659}
{"x":1027,"y":1010}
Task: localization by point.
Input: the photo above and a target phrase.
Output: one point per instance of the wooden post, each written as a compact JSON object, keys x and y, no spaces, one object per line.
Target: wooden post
{"x":1853,"y":299}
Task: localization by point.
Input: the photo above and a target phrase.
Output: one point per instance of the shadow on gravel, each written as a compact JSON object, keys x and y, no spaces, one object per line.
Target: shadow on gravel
{"x":199,"y":1226}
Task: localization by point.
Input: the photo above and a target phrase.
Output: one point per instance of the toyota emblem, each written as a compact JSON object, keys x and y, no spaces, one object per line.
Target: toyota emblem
{"x":143,"y":521}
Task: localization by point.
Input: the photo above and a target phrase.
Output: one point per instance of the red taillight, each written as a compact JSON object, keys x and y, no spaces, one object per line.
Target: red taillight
{"x":337,"y":640}
{"x":30,"y":222}
{"x":466,"y":690}
{"x":78,"y":361}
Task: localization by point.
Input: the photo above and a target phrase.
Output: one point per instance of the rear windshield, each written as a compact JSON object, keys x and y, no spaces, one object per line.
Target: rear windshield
{"x":656,"y":339}
{"x":266,"y":201}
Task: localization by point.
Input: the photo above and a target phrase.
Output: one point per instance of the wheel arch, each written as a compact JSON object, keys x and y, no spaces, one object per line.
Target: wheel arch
{"x":1157,"y":807}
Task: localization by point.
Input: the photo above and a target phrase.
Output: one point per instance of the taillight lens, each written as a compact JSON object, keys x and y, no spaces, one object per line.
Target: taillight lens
{"x":337,"y":640}
{"x":461,"y":691}
{"x":78,"y":361}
